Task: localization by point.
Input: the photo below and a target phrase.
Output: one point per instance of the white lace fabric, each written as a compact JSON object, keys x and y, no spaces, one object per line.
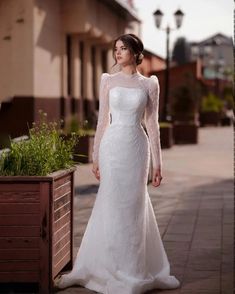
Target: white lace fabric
{"x":151,"y":114}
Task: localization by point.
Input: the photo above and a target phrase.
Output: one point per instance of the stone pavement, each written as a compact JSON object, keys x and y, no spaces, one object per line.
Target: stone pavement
{"x":194,"y":208}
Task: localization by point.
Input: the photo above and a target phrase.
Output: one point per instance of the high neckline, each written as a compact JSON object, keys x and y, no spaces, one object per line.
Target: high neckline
{"x":129,"y":75}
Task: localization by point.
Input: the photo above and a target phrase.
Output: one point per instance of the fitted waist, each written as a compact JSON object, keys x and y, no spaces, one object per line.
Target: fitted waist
{"x":125,"y":119}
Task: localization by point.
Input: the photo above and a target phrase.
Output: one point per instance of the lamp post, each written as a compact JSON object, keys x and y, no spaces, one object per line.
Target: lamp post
{"x":178,"y":19}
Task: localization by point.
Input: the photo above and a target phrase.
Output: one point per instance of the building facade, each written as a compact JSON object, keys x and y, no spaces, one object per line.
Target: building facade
{"x":216,"y":53}
{"x":52,"y":54}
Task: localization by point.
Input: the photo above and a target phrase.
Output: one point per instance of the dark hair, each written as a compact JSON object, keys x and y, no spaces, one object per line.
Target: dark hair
{"x":134,"y":44}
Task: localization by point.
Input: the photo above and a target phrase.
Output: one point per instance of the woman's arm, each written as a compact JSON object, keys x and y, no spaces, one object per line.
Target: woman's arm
{"x":103,"y":116}
{"x":152,"y":123}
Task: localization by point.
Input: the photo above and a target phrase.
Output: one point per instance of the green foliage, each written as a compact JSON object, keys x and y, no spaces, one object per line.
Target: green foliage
{"x":211,"y":103}
{"x":165,"y":124}
{"x":43,"y":153}
{"x":79,"y":129}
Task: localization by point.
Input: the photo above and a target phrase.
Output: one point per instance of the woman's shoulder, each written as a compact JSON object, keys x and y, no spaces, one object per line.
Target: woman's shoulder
{"x":108,"y":76}
{"x":151,"y":82}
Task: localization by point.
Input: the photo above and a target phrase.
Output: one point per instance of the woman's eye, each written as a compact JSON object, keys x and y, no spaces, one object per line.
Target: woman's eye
{"x":123,"y":48}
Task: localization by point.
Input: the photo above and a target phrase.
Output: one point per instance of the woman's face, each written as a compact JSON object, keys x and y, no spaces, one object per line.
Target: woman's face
{"x":122,"y":54}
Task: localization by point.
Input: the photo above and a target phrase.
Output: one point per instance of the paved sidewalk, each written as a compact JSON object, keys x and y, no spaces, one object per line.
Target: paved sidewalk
{"x":194,"y":208}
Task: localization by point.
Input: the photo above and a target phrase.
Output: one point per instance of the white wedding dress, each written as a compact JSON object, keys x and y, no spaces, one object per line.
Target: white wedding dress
{"x":122,"y":251}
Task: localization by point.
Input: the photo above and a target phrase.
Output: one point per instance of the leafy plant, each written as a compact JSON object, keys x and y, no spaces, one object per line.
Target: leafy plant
{"x":165,"y":124}
{"x":211,"y":103}
{"x":81,"y":129}
{"x":44,"y":152}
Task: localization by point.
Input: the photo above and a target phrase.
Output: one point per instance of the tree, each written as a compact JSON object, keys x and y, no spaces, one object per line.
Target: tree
{"x":181,"y":52}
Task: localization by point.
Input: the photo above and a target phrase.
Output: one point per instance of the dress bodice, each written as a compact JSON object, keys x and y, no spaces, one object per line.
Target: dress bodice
{"x":127,"y":105}
{"x":124,"y":100}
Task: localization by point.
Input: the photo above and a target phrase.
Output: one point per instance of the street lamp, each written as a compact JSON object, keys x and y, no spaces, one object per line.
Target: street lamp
{"x":178,"y":20}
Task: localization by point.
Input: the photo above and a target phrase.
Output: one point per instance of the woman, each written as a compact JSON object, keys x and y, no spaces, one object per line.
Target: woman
{"x":122,"y":251}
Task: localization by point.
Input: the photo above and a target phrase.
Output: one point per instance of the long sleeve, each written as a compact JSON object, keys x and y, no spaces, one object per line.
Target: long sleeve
{"x":103,"y":116}
{"x":152,"y":123}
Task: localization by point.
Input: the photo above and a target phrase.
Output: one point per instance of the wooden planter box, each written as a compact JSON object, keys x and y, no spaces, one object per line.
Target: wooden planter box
{"x":185,"y":133}
{"x":166,"y":134}
{"x":36,"y":228}
{"x":209,"y":118}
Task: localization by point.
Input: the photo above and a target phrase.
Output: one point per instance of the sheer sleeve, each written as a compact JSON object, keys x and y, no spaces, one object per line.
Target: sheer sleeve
{"x":152,"y":123}
{"x":103,"y":116}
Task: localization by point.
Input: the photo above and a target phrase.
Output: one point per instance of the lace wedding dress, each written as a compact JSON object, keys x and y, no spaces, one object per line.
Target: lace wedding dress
{"x":122,"y":251}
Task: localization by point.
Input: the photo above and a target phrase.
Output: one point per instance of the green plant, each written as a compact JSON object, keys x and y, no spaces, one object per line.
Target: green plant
{"x":165,"y":124}
{"x":43,"y":153}
{"x":80,"y":129}
{"x":211,"y":103}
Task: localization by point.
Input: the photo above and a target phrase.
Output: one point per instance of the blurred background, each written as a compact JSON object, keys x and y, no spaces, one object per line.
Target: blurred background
{"x":52,"y":54}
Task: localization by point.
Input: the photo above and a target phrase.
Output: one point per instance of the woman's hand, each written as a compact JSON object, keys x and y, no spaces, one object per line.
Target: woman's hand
{"x":156,"y":177}
{"x":95,"y":170}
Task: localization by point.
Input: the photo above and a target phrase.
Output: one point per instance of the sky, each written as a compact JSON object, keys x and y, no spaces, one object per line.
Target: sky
{"x":202,"y":19}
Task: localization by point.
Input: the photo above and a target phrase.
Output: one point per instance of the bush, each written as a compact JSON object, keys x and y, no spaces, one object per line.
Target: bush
{"x":211,"y":103}
{"x":80,"y":129}
{"x":43,"y":153}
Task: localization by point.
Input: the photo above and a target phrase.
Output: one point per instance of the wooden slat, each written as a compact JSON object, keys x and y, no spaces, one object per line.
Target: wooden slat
{"x":62,"y":190}
{"x":21,"y":208}
{"x":19,"y":196}
{"x":19,"y":242}
{"x":16,"y":231}
{"x":45,"y":277}
{"x":23,"y":187}
{"x":62,"y":181}
{"x":61,"y":201}
{"x":59,"y":266}
{"x":60,"y":255}
{"x":19,"y":277}
{"x":58,"y":245}
{"x":18,"y":265}
{"x":62,"y":221}
{"x":19,"y":219}
{"x":61,"y":232}
{"x":19,"y":254}
{"x":62,"y":211}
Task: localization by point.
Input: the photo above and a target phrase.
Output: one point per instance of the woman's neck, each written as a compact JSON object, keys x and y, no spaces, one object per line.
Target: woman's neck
{"x":129,"y":69}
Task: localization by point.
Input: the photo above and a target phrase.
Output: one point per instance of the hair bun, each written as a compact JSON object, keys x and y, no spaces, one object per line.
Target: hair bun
{"x":139,"y":58}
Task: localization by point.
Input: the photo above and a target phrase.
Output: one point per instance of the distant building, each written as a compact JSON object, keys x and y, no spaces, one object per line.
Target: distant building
{"x":52,"y":54}
{"x":186,"y":74}
{"x":216,"y":53}
{"x":151,"y":62}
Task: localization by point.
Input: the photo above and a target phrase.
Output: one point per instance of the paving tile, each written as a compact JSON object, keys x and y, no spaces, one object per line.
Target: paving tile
{"x":206,"y":243}
{"x":177,"y":237}
{"x":182,"y":219}
{"x":227,"y":283}
{"x":173,"y":245}
{"x":206,"y":284}
{"x":180,"y":228}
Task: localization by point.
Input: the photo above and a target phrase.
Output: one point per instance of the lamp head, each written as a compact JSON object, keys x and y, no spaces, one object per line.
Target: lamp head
{"x":178,"y":18}
{"x":158,"y":17}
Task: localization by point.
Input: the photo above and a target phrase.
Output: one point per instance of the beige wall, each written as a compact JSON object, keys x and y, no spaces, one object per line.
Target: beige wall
{"x":47,"y":52}
{"x":33,"y":62}
{"x":16,"y":58}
